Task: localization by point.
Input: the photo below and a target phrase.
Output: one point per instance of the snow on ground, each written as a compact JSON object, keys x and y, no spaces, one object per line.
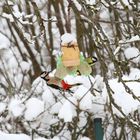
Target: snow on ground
{"x":5,"y":136}
{"x":85,"y":138}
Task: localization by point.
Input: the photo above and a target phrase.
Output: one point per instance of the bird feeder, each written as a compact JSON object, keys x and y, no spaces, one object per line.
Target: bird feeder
{"x":70,"y":54}
{"x":71,"y":61}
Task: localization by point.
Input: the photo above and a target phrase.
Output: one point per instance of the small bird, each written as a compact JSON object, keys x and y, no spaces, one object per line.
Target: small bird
{"x":57,"y":83}
{"x":91,"y":60}
{"x":86,"y":65}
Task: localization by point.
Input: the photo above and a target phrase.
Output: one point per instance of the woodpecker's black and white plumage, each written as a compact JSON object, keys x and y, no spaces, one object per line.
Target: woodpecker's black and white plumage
{"x":57,"y":83}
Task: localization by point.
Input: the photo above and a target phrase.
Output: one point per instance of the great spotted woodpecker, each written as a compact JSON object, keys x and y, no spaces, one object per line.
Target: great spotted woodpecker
{"x":57,"y":83}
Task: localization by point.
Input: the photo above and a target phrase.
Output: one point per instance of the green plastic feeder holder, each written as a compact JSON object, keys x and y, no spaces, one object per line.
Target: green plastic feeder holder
{"x":98,"y":129}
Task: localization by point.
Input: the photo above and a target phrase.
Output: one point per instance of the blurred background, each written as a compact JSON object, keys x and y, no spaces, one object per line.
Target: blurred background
{"x":30,"y":32}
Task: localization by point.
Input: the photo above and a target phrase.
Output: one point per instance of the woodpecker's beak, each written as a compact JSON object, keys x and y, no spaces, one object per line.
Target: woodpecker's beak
{"x":44,"y":74}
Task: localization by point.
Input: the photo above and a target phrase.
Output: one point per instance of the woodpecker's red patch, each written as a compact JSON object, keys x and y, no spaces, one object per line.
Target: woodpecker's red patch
{"x":65,"y":86}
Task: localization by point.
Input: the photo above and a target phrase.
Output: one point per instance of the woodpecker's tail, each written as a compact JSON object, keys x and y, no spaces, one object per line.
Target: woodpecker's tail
{"x":77,"y":84}
{"x":73,"y":85}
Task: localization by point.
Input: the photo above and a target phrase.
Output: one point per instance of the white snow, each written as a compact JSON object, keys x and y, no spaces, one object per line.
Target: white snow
{"x":117,"y":50}
{"x":132,"y":39}
{"x":19,"y":15}
{"x":134,"y":74}
{"x":16,"y":107}
{"x":55,"y":108}
{"x":48,"y":97}
{"x":104,"y":14}
{"x":94,"y":104}
{"x":83,"y":95}
{"x":29,"y":16}
{"x":99,"y":83}
{"x":68,"y":38}
{"x":39,"y":85}
{"x":139,"y":109}
{"x":125,"y":3}
{"x":4,"y":43}
{"x":84,"y":80}
{"x":8,"y":16}
{"x":99,"y":105}
{"x":4,"y":136}
{"x":41,"y":139}
{"x":85,"y":138}
{"x":2,"y":107}
{"x":55,"y":138}
{"x":12,"y":63}
{"x":25,"y":22}
{"x":16,"y":12}
{"x":25,"y":66}
{"x":78,"y":6}
{"x":131,"y":53}
{"x":91,"y":2}
{"x":122,"y":98}
{"x":10,"y":3}
{"x":34,"y":107}
{"x":68,"y":110}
